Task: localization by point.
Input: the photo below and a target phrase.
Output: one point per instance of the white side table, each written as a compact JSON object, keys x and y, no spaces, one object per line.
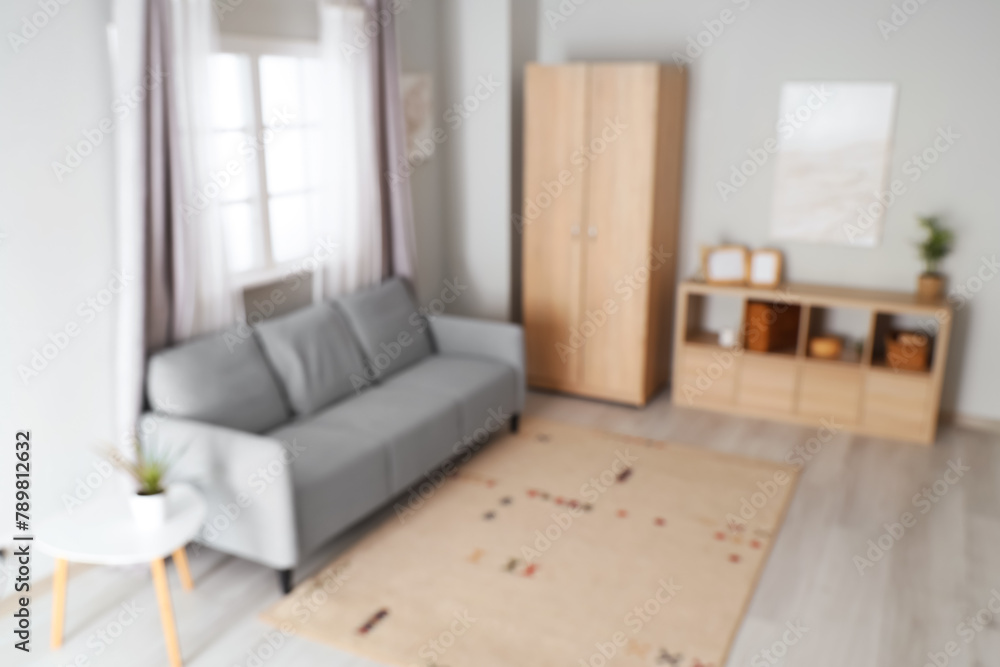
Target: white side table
{"x":103,"y":532}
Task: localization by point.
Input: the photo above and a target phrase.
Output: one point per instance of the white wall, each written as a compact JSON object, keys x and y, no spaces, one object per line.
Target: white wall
{"x":476,"y":47}
{"x":419,"y":32}
{"x":58,"y":249}
{"x":946,"y":60}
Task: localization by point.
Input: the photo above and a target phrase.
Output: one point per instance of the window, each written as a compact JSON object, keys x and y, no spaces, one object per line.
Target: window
{"x":265,"y":116}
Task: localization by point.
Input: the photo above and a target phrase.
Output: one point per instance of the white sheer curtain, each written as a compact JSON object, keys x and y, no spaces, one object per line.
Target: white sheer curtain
{"x":208,"y":299}
{"x":364,"y":139}
{"x":351,"y":198}
{"x":159,"y":54}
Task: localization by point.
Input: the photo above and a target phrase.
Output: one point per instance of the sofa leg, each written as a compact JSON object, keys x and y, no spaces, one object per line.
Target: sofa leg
{"x":285,"y":579}
{"x":515,"y":423}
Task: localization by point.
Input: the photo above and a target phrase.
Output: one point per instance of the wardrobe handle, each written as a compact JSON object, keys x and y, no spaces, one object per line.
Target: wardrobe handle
{"x":574,"y":231}
{"x":592,"y":232}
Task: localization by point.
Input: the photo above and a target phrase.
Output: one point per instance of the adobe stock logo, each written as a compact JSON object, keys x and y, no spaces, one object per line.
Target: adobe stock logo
{"x":121,"y":108}
{"x":915,"y":167}
{"x":627,"y":286}
{"x":749,"y":507}
{"x":924,"y":502}
{"x":776,"y":652}
{"x":899,"y":17}
{"x":455,"y":116}
{"x":704,"y":39}
{"x":31,"y":25}
{"x":967,"y":630}
{"x":787,"y":126}
{"x":606,"y":652}
{"x":562,"y":13}
{"x":57,"y":341}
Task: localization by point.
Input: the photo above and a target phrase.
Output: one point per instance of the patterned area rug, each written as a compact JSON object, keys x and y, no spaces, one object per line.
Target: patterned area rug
{"x":556,"y":546}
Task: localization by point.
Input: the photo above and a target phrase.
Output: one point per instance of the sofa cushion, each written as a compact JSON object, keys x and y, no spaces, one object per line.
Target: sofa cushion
{"x":392,"y":334}
{"x":222,"y":379}
{"x":485,"y":390}
{"x":419,"y":429}
{"x":314,"y":353}
{"x":340,"y":475}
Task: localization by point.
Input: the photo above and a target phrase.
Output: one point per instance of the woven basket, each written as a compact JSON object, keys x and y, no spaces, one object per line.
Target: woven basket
{"x":907,"y":350}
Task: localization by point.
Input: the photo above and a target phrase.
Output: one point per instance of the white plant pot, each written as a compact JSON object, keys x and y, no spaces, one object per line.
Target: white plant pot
{"x":149,"y":512}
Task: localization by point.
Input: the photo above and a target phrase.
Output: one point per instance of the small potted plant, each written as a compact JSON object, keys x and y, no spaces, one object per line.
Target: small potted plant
{"x":934,"y":248}
{"x":148,"y":468}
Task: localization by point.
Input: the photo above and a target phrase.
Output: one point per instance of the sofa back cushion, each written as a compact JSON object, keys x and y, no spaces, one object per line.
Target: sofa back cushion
{"x":315,"y":355}
{"x":222,"y":379}
{"x":392,"y":334}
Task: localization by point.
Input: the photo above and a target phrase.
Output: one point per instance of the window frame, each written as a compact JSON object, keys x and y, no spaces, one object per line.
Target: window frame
{"x":254,"y":47}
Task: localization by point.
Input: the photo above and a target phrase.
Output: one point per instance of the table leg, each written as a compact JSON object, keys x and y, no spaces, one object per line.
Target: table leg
{"x":166,"y":612}
{"x":58,"y":601}
{"x":181,"y":562}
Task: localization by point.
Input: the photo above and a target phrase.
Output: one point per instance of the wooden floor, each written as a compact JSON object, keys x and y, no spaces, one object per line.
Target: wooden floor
{"x":912,"y":601}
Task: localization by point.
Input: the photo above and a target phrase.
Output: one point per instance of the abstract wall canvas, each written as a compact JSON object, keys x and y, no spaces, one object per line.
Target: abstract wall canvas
{"x":417,"y":90}
{"x":833,"y":158}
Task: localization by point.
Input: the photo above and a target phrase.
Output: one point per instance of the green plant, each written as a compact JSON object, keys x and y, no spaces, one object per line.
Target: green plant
{"x":937,"y":245}
{"x":149,"y":467}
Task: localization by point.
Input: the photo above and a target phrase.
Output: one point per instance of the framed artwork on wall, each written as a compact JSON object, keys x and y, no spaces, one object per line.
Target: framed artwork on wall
{"x":417,"y":91}
{"x":834,"y":149}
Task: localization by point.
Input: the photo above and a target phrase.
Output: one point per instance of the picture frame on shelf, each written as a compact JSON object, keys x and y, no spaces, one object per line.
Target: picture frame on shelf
{"x":765,"y":268}
{"x":725,"y":264}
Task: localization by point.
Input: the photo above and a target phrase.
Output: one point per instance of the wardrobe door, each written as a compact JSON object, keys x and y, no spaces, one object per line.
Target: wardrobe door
{"x":554,"y":129}
{"x":621,"y":136}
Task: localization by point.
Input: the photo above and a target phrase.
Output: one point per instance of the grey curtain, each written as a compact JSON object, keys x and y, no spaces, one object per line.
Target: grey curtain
{"x":166,"y":318}
{"x":161,"y":47}
{"x":398,"y":240}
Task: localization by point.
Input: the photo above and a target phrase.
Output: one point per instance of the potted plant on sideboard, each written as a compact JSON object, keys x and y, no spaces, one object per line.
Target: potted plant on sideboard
{"x":937,"y":245}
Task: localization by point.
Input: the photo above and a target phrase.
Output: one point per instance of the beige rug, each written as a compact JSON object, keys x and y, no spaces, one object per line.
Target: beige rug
{"x":557,"y":546}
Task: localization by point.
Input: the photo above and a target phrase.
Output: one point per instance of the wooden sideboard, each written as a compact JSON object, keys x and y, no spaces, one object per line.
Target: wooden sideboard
{"x":864,"y":391}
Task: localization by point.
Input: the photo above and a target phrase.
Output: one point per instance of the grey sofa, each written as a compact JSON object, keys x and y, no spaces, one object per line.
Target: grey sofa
{"x":310,"y":422}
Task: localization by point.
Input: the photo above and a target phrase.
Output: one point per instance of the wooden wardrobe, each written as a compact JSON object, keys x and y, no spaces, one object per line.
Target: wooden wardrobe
{"x":602,"y":179}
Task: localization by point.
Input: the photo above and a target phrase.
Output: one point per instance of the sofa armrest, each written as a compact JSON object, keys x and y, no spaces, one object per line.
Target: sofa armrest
{"x":246,"y":480}
{"x":500,"y":341}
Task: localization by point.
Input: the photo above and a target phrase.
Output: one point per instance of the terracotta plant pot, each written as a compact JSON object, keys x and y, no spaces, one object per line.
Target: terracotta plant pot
{"x":930,"y":286}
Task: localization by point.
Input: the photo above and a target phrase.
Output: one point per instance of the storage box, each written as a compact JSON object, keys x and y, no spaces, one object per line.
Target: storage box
{"x":907,"y":351}
{"x":772,"y":327}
